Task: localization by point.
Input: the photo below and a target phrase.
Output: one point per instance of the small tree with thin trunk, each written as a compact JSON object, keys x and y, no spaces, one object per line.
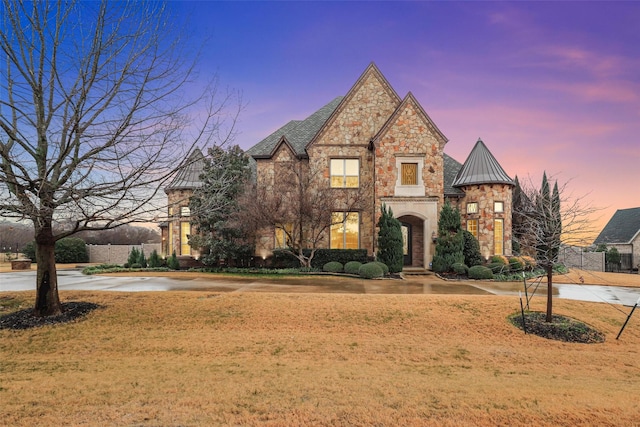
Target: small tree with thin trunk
{"x":95,"y":111}
{"x":302,"y":207}
{"x":548,"y":220}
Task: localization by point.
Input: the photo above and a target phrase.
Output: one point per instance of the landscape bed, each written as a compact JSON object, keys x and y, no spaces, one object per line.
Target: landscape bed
{"x":205,"y":358}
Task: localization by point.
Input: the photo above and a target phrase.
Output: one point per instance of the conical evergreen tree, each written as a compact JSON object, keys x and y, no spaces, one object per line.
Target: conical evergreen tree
{"x":390,"y":241}
{"x":450,"y":243}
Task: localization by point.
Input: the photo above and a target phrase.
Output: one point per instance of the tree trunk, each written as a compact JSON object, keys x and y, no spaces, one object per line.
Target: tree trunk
{"x":549,"y":294}
{"x":47,"y":299}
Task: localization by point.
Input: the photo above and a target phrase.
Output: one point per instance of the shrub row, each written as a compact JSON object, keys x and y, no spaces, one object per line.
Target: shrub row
{"x":369,"y":270}
{"x":285,"y":259}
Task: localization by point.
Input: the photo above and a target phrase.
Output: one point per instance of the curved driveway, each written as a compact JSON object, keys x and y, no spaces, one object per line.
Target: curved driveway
{"x":75,"y":280}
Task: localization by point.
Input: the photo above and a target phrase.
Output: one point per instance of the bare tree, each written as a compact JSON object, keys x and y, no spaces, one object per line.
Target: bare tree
{"x":547,"y":220}
{"x":303,"y":207}
{"x":95,"y":110}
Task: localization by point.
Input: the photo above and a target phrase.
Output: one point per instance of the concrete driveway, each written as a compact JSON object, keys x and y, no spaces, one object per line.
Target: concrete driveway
{"x":73,"y":279}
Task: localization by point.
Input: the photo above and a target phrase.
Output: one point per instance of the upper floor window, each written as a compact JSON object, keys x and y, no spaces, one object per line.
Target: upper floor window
{"x":472,"y":208}
{"x":498,"y":207}
{"x":345,"y":173}
{"x":409,"y":173}
{"x":185,"y":211}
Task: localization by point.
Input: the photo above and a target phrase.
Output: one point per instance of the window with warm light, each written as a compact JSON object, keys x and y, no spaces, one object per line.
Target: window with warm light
{"x":498,"y":237}
{"x":345,"y":230}
{"x":283,"y":236}
{"x":472,"y":207}
{"x":345,"y":173}
{"x":409,"y":173}
{"x":185,"y":231}
{"x":472,"y":227}
{"x":498,"y":207}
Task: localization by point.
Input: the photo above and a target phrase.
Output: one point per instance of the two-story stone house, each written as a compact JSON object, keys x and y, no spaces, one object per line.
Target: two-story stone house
{"x":371,"y":137}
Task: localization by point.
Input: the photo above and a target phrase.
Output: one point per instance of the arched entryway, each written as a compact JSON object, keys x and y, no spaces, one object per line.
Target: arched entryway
{"x":413,"y":240}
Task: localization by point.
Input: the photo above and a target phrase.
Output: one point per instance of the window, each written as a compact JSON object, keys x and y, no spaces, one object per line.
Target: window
{"x":409,"y":174}
{"x":185,"y":231}
{"x":345,"y":173}
{"x":472,"y":208}
{"x":498,"y":207}
{"x":498,"y":232}
{"x":345,"y":230}
{"x":283,"y":236}
{"x":185,"y":211}
{"x":170,"y":247}
{"x":472,"y":227}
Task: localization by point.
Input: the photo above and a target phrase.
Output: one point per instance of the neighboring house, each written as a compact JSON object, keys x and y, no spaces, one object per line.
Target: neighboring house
{"x":623,"y":233}
{"x":177,"y":229}
{"x":372,"y":136}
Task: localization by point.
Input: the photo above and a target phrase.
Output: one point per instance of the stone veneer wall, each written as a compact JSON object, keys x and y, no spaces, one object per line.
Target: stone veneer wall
{"x":347,"y":135}
{"x":485,"y":195}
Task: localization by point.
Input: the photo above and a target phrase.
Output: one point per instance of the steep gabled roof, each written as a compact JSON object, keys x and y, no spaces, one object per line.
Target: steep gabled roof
{"x":410,"y":99}
{"x":621,"y":228}
{"x":451,"y":169}
{"x":297,"y":133}
{"x":371,"y":71}
{"x":188,"y":177}
{"x":481,"y":168}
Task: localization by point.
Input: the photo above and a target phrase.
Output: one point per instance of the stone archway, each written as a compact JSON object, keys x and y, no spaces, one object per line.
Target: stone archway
{"x":421,"y":214}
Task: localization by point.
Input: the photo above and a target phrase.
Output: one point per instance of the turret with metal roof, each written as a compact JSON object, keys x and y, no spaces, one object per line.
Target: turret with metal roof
{"x":481,"y":168}
{"x":188,"y":177}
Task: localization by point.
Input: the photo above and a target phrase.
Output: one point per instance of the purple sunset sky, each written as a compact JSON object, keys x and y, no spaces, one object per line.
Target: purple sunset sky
{"x":549,"y":86}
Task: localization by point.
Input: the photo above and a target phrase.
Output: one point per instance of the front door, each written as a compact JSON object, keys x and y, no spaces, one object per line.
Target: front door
{"x":406,"y":243}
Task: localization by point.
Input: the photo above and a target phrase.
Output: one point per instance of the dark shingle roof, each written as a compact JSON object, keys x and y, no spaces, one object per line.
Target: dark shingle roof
{"x":481,"y":168}
{"x":298,"y":133}
{"x":451,"y":169}
{"x":188,"y":177}
{"x":621,"y":228}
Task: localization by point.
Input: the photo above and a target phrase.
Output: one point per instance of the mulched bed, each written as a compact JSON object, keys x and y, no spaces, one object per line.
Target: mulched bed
{"x":562,"y":328}
{"x":24,"y":319}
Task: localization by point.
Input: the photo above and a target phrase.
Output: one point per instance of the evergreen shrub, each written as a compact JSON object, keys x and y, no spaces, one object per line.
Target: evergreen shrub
{"x":383,"y":266}
{"x":501,"y":259}
{"x":459,"y":268}
{"x":480,"y":272}
{"x":352,"y":267}
{"x":172,"y":262}
{"x":333,"y":267}
{"x":516,"y":264}
{"x":154,"y":260}
{"x":498,"y":267}
{"x":71,"y":249}
{"x":370,"y":270}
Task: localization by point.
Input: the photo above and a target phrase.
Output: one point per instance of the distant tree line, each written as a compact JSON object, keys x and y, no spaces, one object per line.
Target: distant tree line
{"x":15,"y":236}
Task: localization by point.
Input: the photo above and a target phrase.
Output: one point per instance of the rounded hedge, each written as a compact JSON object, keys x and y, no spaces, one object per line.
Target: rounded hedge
{"x":383,"y":266}
{"x":370,"y":270}
{"x":352,"y":267}
{"x":480,"y":272}
{"x":333,"y":267}
{"x":459,"y":268}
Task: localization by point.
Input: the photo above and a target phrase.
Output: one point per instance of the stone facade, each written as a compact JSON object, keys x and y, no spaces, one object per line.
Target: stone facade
{"x":386,"y":134}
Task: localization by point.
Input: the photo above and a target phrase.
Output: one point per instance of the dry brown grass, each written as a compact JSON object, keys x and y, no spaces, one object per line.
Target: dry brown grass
{"x":203,"y":358}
